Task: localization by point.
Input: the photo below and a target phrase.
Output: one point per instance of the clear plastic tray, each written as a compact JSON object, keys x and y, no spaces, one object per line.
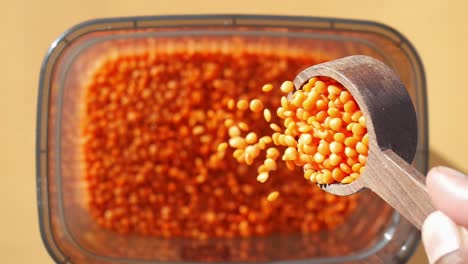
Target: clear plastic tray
{"x":374,"y":234}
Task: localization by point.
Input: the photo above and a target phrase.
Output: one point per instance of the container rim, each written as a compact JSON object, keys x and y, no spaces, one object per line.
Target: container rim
{"x":221,"y":20}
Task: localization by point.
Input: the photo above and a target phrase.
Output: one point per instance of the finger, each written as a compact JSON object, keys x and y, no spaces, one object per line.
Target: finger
{"x":448,"y":189}
{"x":464,"y":244}
{"x":441,"y":236}
{"x":459,"y":256}
{"x":451,"y":258}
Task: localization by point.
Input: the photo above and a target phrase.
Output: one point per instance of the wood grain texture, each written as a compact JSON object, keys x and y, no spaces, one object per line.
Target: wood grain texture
{"x":393,"y":133}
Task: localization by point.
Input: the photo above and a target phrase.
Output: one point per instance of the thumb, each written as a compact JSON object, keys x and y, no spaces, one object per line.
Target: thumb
{"x":448,"y":189}
{"x":444,"y":241}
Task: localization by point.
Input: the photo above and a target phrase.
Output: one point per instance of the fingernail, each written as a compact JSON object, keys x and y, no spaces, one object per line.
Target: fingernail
{"x":453,"y":174}
{"x":440,"y":236}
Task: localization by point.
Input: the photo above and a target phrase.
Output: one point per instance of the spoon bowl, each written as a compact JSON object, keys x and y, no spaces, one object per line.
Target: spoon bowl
{"x":393,"y":133}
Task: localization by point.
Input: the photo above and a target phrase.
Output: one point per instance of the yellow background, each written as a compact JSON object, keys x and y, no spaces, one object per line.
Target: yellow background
{"x":438,"y":29}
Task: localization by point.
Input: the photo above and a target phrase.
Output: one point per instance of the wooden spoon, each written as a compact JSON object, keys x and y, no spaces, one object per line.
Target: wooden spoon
{"x":393,"y":134}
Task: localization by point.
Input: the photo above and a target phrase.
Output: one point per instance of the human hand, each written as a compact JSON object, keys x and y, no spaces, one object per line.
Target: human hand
{"x":444,"y":232}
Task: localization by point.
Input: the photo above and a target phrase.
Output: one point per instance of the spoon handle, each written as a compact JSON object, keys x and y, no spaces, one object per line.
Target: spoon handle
{"x":403,"y":187}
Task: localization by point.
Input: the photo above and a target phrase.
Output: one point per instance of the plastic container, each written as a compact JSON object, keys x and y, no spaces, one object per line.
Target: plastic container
{"x":373,"y":234}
